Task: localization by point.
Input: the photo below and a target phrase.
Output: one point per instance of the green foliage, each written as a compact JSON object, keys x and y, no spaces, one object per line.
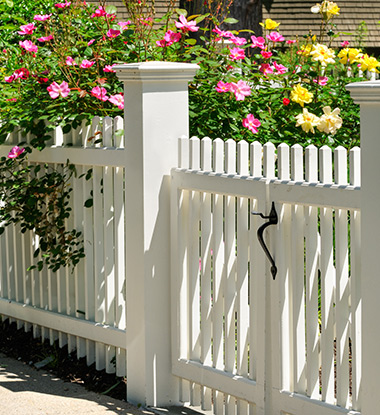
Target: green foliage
{"x":37,"y":198}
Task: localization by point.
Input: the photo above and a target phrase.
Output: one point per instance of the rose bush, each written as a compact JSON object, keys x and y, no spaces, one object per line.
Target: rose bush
{"x":57,"y":69}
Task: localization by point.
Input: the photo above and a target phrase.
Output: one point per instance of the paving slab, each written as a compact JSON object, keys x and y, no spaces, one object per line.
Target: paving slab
{"x":27,"y":391}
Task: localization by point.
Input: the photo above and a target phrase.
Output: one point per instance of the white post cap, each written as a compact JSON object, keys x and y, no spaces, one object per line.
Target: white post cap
{"x":365,"y":92}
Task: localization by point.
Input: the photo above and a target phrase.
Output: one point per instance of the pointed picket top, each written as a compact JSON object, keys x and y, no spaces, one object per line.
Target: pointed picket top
{"x":217,"y":149}
{"x":206,"y":154}
{"x":311,"y":164}
{"x":297,"y":163}
{"x":283,"y":152}
{"x":340,"y":165}
{"x":230,"y":156}
{"x":355,"y":162}
{"x":325,"y":165}
{"x":256,"y":150}
{"x":195,"y":153}
{"x":183,"y":153}
{"x":269,"y":160}
{"x":243,"y":158}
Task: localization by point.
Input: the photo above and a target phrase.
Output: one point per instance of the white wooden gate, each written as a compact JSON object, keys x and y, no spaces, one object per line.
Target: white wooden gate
{"x":243,"y":342}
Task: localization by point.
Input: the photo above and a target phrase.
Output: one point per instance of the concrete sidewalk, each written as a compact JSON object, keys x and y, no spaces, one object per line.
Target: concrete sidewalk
{"x":27,"y":391}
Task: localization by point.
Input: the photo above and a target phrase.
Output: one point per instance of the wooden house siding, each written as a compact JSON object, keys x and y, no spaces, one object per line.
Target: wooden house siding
{"x":297,"y":20}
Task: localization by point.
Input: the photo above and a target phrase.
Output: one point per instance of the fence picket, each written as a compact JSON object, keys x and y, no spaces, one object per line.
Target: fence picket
{"x":194,"y":270}
{"x":230,"y":274}
{"x":297,"y":278}
{"x":312,"y":252}
{"x":355,"y":285}
{"x":327,"y":284}
{"x":256,"y":150}
{"x":218,"y":275}
{"x":342,"y":286}
{"x":242,"y":268}
{"x":206,"y":272}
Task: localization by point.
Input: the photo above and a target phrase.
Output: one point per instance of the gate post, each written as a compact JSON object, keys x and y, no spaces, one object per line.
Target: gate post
{"x":367,"y":94}
{"x":155,"y":116}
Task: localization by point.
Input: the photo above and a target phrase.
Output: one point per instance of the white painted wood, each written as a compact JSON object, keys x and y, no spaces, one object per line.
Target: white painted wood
{"x":355,"y":162}
{"x":297,"y":287}
{"x":230,"y":264}
{"x":242,"y":272}
{"x":109,"y":243}
{"x":311,"y":164}
{"x":148,"y":220}
{"x":327,"y":284}
{"x":79,"y":212}
{"x":118,"y":127}
{"x":312,"y":252}
{"x":269,"y":160}
{"x":63,"y":323}
{"x":355,"y":285}
{"x":89,"y":280}
{"x":283,"y":161}
{"x":283,"y":261}
{"x":218,"y":275}
{"x":342,"y":311}
{"x":99,"y":265}
{"x":206,"y":273}
{"x":230,"y":274}
{"x":120,"y":286}
{"x":256,"y":155}
{"x":194,"y":269}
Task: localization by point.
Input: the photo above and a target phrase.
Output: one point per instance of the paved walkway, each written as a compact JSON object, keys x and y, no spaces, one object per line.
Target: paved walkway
{"x":26,"y":391}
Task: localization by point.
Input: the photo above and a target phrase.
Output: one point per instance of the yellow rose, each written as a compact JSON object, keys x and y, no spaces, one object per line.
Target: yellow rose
{"x":301,"y":95}
{"x":305,"y":50}
{"x":330,"y":9}
{"x":270,"y":24}
{"x":369,"y":63}
{"x":321,"y":53}
{"x":330,"y":121}
{"x":307,"y":121}
{"x":349,"y":55}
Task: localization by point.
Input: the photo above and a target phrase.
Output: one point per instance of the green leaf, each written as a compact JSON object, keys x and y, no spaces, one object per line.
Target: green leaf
{"x":181,"y":11}
{"x":111,"y":9}
{"x":66,"y":129}
{"x":230,"y":20}
{"x":89,"y":203}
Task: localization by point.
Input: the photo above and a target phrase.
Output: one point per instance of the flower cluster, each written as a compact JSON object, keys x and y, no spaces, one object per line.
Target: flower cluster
{"x":283,"y":82}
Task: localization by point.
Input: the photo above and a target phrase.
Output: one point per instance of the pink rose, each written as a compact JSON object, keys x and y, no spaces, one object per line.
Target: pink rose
{"x":28,"y":46}
{"x":117,"y":100}
{"x":26,"y":29}
{"x":55,"y":90}
{"x":251,"y":123}
{"x":100,"y":93}
{"x":42,"y":17}
{"x":86,"y":64}
{"x":15,"y":152}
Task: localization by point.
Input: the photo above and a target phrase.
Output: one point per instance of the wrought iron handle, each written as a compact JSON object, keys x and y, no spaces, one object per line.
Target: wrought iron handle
{"x":273,"y":220}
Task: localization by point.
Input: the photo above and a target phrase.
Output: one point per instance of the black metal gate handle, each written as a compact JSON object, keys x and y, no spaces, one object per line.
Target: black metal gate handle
{"x":273,"y":220}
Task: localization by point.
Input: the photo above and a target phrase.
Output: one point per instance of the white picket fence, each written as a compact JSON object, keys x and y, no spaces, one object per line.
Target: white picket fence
{"x":223,"y":287}
{"x":84,"y":309}
{"x":175,"y":286}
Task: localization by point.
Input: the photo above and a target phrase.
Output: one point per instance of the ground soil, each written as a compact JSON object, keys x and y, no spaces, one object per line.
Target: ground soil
{"x":21,"y":345}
